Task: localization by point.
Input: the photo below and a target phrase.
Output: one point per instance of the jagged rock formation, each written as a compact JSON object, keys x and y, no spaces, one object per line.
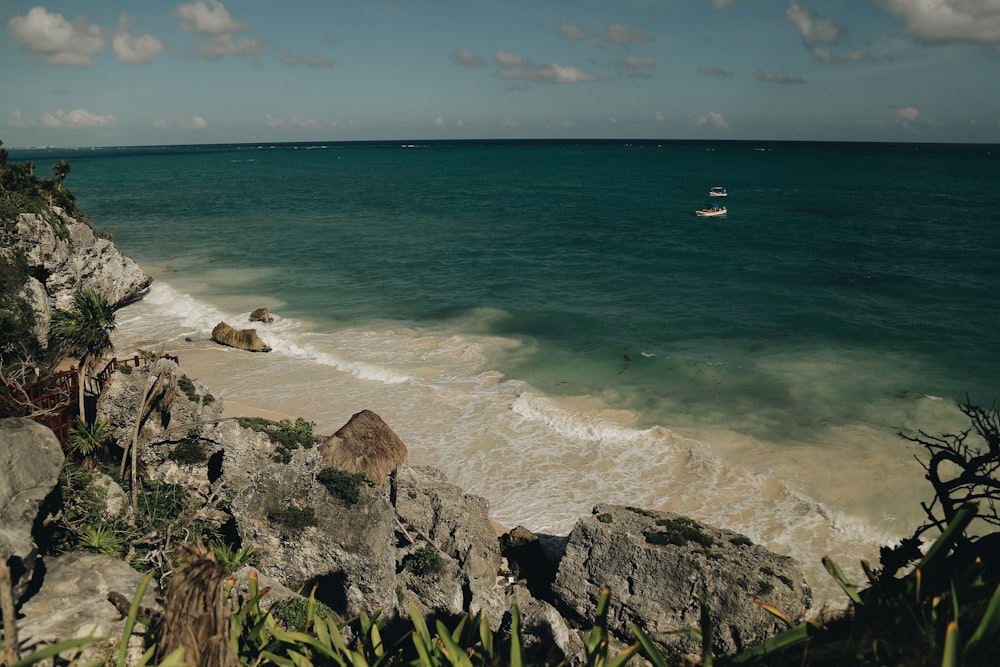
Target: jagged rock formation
{"x":64,"y":256}
{"x":261,"y":315}
{"x":244,"y":339}
{"x":659,"y":564}
{"x":31,"y":460}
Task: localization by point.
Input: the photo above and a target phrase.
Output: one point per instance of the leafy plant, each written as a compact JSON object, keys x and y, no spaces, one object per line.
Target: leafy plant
{"x":232,"y":558}
{"x":189,"y":450}
{"x":86,"y":439}
{"x":286,"y":434}
{"x":424,"y":561}
{"x":102,"y":539}
{"x":344,"y":485}
{"x":294,"y":517}
{"x":678,"y":531}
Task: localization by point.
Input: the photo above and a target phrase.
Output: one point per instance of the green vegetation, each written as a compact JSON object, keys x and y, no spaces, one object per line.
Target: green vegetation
{"x":294,"y":517}
{"x":189,"y":450}
{"x":344,"y":485}
{"x":678,"y":532}
{"x":233,"y":558}
{"x":424,"y":561}
{"x":605,"y":518}
{"x":87,"y":439}
{"x":286,"y":434}
{"x":84,"y":331}
{"x":296,"y":614}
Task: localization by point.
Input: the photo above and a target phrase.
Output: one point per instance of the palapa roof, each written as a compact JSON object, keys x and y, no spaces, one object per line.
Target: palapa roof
{"x":364,"y":444}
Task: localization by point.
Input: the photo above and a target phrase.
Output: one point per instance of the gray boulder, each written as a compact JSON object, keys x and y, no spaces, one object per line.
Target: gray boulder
{"x":72,"y":258}
{"x":435,"y":513}
{"x":74,"y":602}
{"x":31,"y":460}
{"x":243,"y":339}
{"x":661,"y":568}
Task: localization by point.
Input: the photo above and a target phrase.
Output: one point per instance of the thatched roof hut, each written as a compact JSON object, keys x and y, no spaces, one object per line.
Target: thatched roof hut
{"x":364,"y":444}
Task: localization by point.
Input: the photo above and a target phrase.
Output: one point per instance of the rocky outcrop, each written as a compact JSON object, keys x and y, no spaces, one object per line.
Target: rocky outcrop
{"x":261,"y":315}
{"x":243,"y":339}
{"x":31,"y":460}
{"x":74,"y":602}
{"x":661,"y":568}
{"x":64,"y":256}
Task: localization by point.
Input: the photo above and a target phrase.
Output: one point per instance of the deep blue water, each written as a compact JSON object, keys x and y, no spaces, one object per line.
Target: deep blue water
{"x":848,"y":283}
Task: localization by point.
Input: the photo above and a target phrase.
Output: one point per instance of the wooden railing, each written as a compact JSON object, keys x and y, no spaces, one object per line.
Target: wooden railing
{"x":55,"y":401}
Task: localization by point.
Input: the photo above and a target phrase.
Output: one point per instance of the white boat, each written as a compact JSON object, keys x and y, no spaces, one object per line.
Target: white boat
{"x":712,"y":211}
{"x":717,"y":191}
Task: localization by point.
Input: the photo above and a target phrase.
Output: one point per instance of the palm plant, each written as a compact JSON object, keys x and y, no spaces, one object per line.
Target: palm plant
{"x":84,"y":331}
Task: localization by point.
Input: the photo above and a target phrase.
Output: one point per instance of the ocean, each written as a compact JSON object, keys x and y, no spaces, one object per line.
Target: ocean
{"x":550,"y":324}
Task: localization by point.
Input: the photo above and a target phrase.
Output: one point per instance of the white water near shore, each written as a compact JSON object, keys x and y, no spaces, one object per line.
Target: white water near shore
{"x":541,"y":461}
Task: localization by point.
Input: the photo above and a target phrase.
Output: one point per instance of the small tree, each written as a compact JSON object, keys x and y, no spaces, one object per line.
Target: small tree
{"x":60,"y":169}
{"x":84,"y":332}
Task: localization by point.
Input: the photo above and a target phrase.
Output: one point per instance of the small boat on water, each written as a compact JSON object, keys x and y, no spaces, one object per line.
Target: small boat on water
{"x":717,"y":191}
{"x":712,"y":211}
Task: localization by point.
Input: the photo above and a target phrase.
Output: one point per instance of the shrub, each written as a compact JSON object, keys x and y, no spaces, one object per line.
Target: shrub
{"x":293,"y":613}
{"x":678,"y":532}
{"x":294,"y":517}
{"x":424,"y":561}
{"x":344,"y":485}
{"x":189,"y":450}
{"x":286,"y":434}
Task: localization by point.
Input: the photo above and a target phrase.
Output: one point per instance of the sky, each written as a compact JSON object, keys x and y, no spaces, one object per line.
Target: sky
{"x":155,"y":72}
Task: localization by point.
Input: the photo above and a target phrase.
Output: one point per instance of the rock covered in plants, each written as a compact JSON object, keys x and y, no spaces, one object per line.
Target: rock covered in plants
{"x":71,"y":257}
{"x":434,"y":512}
{"x":659,"y":564}
{"x":31,"y":459}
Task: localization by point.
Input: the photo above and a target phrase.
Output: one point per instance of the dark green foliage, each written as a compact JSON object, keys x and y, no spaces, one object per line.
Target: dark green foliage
{"x":189,"y":450}
{"x":344,"y":485}
{"x":678,"y":532}
{"x":741,"y":541}
{"x":604,"y":518}
{"x":288,"y":435}
{"x":294,"y":517}
{"x":423,"y":562}
{"x":185,"y":384}
{"x":293,"y":613}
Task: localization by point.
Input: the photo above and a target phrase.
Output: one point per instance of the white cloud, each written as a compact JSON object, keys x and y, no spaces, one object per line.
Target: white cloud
{"x":298,"y":121}
{"x":572,"y":31}
{"x":50,"y":34}
{"x":134,"y":49}
{"x":716,"y":71}
{"x":196,"y":123}
{"x":719,"y":4}
{"x":224,"y":45}
{"x":508,"y":59}
{"x":507,"y":122}
{"x":812,"y":30}
{"x":906,"y":116}
{"x":74,"y":118}
{"x":273,"y":121}
{"x":659,"y":117}
{"x":207,"y":16}
{"x":439,"y":122}
{"x":827,"y":57}
{"x":635,"y":66}
{"x":619,"y":33}
{"x":940,"y":21}
{"x":548,"y":74}
{"x":714,"y":119}
{"x":466,"y":58}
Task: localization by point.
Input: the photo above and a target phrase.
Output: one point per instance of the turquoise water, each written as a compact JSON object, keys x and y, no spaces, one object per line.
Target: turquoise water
{"x":551,"y":324}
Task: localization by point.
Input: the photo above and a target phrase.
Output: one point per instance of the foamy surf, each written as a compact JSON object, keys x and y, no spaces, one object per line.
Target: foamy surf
{"x":541,"y":461}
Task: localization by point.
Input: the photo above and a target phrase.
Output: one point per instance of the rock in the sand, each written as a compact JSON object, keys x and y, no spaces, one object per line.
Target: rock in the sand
{"x":31,"y":459}
{"x":662,"y":567}
{"x":261,"y":315}
{"x":244,"y":339}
